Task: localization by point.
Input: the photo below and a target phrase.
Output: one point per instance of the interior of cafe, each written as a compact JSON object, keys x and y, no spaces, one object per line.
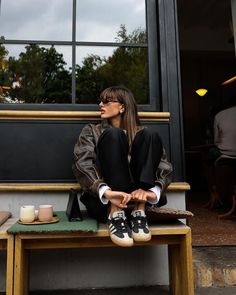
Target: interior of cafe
{"x":207,"y":63}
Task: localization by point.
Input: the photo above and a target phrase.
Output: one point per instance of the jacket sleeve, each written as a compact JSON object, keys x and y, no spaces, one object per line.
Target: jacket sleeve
{"x":84,"y":166}
{"x":163,"y":173}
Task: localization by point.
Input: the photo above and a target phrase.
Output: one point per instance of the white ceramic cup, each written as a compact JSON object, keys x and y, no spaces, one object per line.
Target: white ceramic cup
{"x":45,"y":213}
{"x":27,"y":213}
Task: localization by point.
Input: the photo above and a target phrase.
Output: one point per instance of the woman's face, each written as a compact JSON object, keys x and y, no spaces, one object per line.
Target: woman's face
{"x":111,"y":109}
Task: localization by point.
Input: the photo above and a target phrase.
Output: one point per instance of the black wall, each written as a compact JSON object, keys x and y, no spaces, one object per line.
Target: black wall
{"x":42,"y":151}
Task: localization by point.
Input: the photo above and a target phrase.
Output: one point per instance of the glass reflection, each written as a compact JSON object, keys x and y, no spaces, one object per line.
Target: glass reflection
{"x":34,"y":74}
{"x":36,"y":20}
{"x":98,"y":68}
{"x":102,"y":20}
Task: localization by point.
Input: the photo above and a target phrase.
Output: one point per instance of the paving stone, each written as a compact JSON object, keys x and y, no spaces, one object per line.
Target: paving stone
{"x":230,"y":276}
{"x":218,"y":277}
{"x":214,"y":266}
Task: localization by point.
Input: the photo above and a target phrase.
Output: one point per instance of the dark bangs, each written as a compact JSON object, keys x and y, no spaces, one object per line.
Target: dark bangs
{"x":113,"y":92}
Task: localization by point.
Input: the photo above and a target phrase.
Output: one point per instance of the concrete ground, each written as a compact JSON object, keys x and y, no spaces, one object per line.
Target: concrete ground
{"x":139,"y":291}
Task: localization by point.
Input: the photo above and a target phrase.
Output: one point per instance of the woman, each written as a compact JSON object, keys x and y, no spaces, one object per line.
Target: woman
{"x":119,"y":162}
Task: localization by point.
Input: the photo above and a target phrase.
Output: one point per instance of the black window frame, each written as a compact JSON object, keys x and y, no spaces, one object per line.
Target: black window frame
{"x":155,"y":97}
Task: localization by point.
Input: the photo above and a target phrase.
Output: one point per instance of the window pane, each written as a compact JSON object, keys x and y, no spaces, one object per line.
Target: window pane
{"x":101,"y":67}
{"x":35,"y":74}
{"x":110,"y":21}
{"x":36,"y":20}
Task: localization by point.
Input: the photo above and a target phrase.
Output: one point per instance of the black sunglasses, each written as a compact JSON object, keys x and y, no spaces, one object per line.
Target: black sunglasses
{"x":106,"y":100}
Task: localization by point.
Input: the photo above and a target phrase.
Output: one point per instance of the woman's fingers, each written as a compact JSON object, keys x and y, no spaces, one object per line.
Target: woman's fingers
{"x":140,"y":195}
{"x":126,"y":198}
{"x":119,"y":199}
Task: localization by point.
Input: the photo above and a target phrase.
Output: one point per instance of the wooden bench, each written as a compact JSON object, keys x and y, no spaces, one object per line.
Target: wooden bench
{"x":7,"y":243}
{"x":177,"y":236}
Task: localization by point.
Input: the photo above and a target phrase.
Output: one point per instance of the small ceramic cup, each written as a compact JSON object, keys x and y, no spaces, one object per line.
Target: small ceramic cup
{"x":27,"y":213}
{"x":45,"y":213}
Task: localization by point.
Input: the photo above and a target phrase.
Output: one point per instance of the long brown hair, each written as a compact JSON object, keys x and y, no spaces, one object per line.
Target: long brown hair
{"x":129,"y":118}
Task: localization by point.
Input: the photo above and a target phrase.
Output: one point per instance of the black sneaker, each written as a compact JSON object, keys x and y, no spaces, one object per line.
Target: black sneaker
{"x":139,"y":226}
{"x":120,"y":232}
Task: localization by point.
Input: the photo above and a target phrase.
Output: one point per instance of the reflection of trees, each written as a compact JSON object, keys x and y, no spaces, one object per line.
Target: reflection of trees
{"x":88,"y":79}
{"x":3,"y":72}
{"x":126,"y":66}
{"x":39,"y":74}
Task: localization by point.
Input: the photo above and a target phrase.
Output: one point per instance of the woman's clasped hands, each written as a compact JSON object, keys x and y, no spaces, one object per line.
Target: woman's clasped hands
{"x":121,"y":199}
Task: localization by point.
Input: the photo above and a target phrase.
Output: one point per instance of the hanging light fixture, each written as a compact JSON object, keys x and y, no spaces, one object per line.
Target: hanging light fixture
{"x":201,"y":91}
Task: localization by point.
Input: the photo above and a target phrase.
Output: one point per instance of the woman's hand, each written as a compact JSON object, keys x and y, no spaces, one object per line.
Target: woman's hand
{"x":142,"y":195}
{"x":117,"y":198}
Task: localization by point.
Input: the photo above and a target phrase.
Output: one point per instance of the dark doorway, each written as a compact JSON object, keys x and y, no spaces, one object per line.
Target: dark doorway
{"x":207,"y":59}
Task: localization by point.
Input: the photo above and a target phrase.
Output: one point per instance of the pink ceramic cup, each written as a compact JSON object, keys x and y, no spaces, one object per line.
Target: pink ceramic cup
{"x":45,"y":213}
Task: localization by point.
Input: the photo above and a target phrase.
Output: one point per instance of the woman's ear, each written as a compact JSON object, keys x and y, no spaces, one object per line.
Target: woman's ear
{"x":122,"y":109}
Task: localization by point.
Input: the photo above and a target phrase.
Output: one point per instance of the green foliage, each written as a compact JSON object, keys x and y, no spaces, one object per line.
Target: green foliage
{"x":3,"y":71}
{"x":39,"y":74}
{"x":3,"y":52}
{"x":88,"y":79}
{"x":126,"y":66}
{"x":137,"y":36}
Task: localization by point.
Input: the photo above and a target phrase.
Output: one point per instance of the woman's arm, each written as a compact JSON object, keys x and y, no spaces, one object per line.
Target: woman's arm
{"x":163,"y":173}
{"x":84,"y":167}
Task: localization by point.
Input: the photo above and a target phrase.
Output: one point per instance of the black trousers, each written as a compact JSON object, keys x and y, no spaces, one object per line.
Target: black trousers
{"x":120,"y":173}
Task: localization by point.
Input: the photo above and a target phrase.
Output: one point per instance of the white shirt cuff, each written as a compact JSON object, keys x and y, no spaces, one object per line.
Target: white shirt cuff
{"x":101,"y":191}
{"x":157,"y":190}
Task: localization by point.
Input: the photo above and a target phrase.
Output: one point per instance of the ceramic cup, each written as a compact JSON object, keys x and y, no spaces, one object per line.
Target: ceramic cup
{"x":27,"y":213}
{"x":45,"y":213}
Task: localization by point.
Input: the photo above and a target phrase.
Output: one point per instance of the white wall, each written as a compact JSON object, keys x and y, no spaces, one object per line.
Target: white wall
{"x":89,"y":268}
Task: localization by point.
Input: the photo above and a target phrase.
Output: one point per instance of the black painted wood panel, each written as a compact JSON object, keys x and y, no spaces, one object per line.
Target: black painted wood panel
{"x":42,"y":151}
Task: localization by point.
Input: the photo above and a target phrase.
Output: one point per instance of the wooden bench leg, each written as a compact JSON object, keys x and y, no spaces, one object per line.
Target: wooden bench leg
{"x":20,"y":268}
{"x":174,"y":274}
{"x":10,"y":265}
{"x":181,"y":267}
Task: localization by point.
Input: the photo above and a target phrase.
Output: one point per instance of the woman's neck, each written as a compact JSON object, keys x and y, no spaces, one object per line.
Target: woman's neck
{"x":115,"y":122}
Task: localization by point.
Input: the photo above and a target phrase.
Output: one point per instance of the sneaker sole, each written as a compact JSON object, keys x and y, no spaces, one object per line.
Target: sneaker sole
{"x":141,"y":237}
{"x":122,"y":243}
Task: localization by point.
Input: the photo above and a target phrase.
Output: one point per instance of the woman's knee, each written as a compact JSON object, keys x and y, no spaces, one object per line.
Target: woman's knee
{"x":149,"y":134}
{"x":113,"y":135}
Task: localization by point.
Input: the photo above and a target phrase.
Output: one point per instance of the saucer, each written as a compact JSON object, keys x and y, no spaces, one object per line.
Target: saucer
{"x":37,"y":222}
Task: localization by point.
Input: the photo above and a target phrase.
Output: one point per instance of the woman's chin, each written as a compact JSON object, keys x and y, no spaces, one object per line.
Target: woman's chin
{"x":104,"y":116}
